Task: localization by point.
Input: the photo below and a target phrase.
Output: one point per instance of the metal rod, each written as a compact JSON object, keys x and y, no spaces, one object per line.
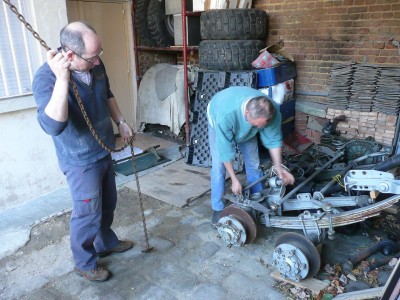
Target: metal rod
{"x":256,"y":182}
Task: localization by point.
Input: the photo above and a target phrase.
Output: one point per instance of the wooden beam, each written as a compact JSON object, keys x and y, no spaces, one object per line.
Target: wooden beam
{"x":312,"y":284}
{"x":361,"y":295}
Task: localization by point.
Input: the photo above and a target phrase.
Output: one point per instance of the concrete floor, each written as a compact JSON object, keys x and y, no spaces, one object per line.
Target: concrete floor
{"x":189,"y":260}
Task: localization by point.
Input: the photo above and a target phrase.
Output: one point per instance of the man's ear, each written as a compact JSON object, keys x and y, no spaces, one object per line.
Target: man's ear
{"x":246,"y":114}
{"x":69,"y":55}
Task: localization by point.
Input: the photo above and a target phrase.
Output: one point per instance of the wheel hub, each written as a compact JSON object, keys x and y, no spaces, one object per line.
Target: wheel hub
{"x":243,"y":222}
{"x":231,"y":231}
{"x":296,"y":257}
{"x":291,"y":262}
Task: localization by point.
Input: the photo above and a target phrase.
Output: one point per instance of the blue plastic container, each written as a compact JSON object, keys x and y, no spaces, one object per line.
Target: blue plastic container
{"x":287,"y":109}
{"x":287,"y":128}
{"x":277,"y":74}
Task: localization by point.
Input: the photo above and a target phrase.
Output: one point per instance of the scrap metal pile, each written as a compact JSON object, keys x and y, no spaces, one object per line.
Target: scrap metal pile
{"x":337,"y":184}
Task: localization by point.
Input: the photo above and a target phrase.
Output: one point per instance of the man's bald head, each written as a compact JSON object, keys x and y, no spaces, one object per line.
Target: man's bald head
{"x":75,"y":34}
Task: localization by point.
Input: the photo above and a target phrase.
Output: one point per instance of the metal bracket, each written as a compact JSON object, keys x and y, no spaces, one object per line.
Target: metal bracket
{"x":371,"y":180}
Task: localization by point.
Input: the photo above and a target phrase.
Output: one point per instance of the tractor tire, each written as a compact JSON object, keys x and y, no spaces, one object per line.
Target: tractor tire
{"x":233,"y":24}
{"x":158,"y":25}
{"x":142,"y":29}
{"x":229,"y":55}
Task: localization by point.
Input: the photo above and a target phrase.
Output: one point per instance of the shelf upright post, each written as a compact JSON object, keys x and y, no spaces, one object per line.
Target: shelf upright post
{"x":135,"y":42}
{"x":185,"y":75}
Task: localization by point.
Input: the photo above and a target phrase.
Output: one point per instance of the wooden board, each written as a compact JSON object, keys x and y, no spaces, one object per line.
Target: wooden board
{"x":372,"y":293}
{"x":312,"y":284}
{"x":391,"y":288}
{"x":177,"y":183}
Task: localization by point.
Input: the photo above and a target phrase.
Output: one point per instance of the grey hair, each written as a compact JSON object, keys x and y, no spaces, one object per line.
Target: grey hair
{"x":259,"y":107}
{"x":72,"y":38}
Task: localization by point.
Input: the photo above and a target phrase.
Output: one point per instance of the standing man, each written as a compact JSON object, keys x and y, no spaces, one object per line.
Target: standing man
{"x":87,"y":166}
{"x":235,"y":116}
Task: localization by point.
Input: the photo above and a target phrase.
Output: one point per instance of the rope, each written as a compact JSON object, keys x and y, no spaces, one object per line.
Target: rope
{"x":338,"y":179}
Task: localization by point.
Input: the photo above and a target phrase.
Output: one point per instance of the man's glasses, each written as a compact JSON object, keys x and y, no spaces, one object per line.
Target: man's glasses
{"x":89,"y":60}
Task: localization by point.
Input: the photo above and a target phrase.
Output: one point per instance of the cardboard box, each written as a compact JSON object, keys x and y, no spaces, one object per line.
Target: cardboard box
{"x":271,"y":56}
{"x":202,"y":5}
{"x":281,"y":92}
{"x":193,"y":36}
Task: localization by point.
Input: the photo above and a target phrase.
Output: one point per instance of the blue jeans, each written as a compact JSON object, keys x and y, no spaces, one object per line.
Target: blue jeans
{"x":249,"y":150}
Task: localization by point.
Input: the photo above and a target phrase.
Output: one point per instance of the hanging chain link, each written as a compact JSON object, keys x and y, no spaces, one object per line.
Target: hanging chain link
{"x":135,"y":171}
{"x":27,"y":25}
{"x":89,"y":123}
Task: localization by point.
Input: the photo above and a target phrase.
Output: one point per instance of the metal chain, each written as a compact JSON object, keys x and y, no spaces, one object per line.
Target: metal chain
{"x":89,"y":123}
{"x":27,"y":25}
{"x":135,"y":171}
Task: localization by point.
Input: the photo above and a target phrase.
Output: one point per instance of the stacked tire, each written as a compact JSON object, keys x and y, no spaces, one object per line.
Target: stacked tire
{"x":232,"y":38}
{"x":153,"y":27}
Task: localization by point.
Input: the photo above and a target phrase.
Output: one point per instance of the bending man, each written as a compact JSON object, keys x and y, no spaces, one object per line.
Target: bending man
{"x":235,"y":116}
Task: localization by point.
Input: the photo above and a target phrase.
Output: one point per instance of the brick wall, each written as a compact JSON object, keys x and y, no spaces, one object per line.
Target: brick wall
{"x":320,"y":33}
{"x":192,"y":58}
{"x":361,"y":125}
{"x":150,"y":58}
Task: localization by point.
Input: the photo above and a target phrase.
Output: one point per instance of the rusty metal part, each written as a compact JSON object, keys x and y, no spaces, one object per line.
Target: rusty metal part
{"x":386,"y":247}
{"x":27,"y":25}
{"x":378,"y":263}
{"x":296,"y":257}
{"x":148,"y":248}
{"x":340,"y":219}
{"x":89,"y":123}
{"x":244,"y":218}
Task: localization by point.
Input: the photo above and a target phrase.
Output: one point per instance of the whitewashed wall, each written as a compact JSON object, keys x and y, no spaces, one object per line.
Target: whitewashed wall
{"x":28,"y":164}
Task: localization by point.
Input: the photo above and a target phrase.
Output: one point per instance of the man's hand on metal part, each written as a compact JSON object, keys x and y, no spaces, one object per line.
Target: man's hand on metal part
{"x":236,"y":186}
{"x":286,"y":177}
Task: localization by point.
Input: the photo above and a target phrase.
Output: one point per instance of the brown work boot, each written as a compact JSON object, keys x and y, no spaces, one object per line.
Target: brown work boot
{"x":120,"y":247}
{"x":97,"y":274}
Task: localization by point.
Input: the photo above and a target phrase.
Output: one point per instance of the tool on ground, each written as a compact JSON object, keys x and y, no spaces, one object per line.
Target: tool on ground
{"x":88,"y":122}
{"x":378,"y":263}
{"x":386,"y":247}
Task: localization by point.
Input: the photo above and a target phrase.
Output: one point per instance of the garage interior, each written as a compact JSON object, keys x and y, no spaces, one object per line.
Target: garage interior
{"x":337,"y":63}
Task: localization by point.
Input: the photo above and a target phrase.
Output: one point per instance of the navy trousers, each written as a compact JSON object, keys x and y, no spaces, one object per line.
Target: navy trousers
{"x":94,"y":196}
